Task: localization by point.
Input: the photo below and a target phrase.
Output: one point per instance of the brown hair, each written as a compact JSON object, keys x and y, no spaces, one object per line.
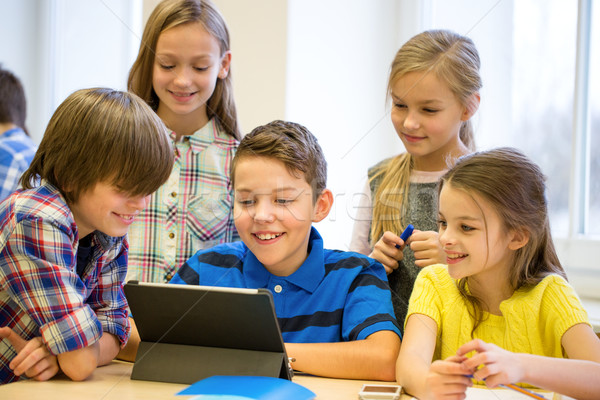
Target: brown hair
{"x":102,"y":135}
{"x":171,"y":13}
{"x":515,"y":188}
{"x":290,"y":143}
{"x":13,"y":105}
{"x":454,"y":60}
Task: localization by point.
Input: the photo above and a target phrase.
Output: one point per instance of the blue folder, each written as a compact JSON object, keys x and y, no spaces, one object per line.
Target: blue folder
{"x":221,"y":387}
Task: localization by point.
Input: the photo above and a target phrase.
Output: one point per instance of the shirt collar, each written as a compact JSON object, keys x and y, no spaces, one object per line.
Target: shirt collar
{"x":208,"y":134}
{"x":13,"y":132}
{"x":107,"y":242}
{"x":308,"y":276}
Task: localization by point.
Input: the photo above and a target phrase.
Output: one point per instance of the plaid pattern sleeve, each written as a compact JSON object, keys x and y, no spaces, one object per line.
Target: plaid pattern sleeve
{"x":16,"y":152}
{"x":190,"y":212}
{"x":105,"y":276}
{"x":40,"y":291}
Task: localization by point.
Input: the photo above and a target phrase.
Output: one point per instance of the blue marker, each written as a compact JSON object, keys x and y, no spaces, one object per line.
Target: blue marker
{"x":406,"y":234}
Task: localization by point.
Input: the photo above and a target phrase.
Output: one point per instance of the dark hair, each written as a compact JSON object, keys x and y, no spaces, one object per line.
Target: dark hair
{"x":13,"y":105}
{"x":171,"y":13}
{"x":290,"y":143}
{"x":515,"y":187}
{"x":102,"y":135}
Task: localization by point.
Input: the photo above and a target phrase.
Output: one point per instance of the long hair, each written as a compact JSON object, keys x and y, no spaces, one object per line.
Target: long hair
{"x":454,"y":60}
{"x":102,"y":135}
{"x":515,"y":188}
{"x":171,"y":13}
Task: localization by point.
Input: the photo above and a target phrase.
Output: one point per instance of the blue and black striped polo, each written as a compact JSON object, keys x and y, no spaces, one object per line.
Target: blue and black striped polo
{"x":334,"y":295}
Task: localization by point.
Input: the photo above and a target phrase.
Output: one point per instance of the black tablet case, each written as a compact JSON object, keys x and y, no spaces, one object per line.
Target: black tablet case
{"x":189,"y":333}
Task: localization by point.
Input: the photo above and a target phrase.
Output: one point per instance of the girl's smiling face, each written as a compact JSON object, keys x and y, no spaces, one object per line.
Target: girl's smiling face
{"x":187,"y":64}
{"x":473,"y":236}
{"x":427,"y":117}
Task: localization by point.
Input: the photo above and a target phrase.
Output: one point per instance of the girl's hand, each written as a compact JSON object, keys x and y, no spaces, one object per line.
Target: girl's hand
{"x":386,"y":252}
{"x":33,"y":358}
{"x":448,"y":379}
{"x":427,"y":248}
{"x":491,"y":363}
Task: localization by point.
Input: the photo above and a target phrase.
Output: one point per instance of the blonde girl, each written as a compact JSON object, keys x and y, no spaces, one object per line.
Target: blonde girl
{"x":501,"y":310}
{"x":183,"y":71}
{"x":434,"y":86}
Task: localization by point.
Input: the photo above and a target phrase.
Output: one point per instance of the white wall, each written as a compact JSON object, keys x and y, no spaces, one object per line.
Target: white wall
{"x":324,"y":65}
{"x":19,"y":52}
{"x":259,"y":47}
{"x":489,"y":24}
{"x":339,"y":55}
{"x":59,"y":46}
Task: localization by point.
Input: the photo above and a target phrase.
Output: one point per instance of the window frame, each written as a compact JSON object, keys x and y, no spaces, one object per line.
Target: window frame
{"x":576,"y":251}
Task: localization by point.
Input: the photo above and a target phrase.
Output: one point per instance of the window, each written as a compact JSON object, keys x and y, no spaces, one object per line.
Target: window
{"x":594,"y":127}
{"x":539,"y":97}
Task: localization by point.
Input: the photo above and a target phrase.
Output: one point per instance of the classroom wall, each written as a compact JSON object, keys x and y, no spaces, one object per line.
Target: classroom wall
{"x":339,"y":55}
{"x":321,"y":63}
{"x":324,"y":65}
{"x":22,"y":54}
{"x":59,"y":46}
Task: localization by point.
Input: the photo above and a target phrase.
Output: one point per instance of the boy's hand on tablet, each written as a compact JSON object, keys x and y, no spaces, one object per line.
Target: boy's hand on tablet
{"x":33,"y":358}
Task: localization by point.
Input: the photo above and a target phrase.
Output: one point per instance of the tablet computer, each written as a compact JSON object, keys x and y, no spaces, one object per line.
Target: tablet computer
{"x":192,"y":332}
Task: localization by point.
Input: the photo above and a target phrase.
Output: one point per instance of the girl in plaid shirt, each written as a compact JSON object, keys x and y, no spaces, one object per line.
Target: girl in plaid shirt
{"x":63,"y":249}
{"x":183,"y":71}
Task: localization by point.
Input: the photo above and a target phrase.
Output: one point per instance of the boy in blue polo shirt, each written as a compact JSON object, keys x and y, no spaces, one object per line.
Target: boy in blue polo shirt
{"x":334,"y":308}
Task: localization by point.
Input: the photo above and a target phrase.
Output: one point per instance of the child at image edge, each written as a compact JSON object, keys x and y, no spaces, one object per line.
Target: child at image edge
{"x":434,"y":86}
{"x":334,"y":307}
{"x":62,"y":237}
{"x":183,"y":71}
{"x":16,"y":147}
{"x":501,"y":310}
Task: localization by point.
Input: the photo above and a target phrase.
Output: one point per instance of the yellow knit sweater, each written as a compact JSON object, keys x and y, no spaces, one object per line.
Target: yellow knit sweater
{"x":533,"y":320}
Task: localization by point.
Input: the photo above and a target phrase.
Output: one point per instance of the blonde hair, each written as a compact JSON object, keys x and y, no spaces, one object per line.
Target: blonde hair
{"x":166,"y":15}
{"x":515,"y":188}
{"x":102,"y":135}
{"x":454,"y":60}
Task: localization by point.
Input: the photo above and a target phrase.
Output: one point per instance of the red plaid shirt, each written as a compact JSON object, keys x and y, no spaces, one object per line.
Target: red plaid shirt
{"x":40,"y":291}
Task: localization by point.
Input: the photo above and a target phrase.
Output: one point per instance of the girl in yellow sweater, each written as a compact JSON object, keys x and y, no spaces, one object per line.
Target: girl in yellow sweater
{"x":501,"y":310}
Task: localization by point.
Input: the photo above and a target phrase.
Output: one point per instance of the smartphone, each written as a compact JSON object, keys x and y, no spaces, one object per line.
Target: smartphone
{"x":379,"y":392}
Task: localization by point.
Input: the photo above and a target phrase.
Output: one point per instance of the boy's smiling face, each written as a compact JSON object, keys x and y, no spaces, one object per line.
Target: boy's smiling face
{"x":106,"y":209}
{"x":274,"y":211}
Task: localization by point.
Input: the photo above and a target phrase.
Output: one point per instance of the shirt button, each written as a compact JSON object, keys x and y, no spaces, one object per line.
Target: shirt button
{"x":173,"y":194}
{"x":171,"y":235}
{"x":169,"y":276}
{"x":278,"y":288}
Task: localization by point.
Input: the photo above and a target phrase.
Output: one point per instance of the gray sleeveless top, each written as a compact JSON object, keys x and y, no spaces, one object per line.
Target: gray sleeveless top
{"x":421,"y":211}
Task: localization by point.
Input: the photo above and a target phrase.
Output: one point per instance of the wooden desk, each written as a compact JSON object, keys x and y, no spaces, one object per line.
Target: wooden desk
{"x":112,"y":382}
